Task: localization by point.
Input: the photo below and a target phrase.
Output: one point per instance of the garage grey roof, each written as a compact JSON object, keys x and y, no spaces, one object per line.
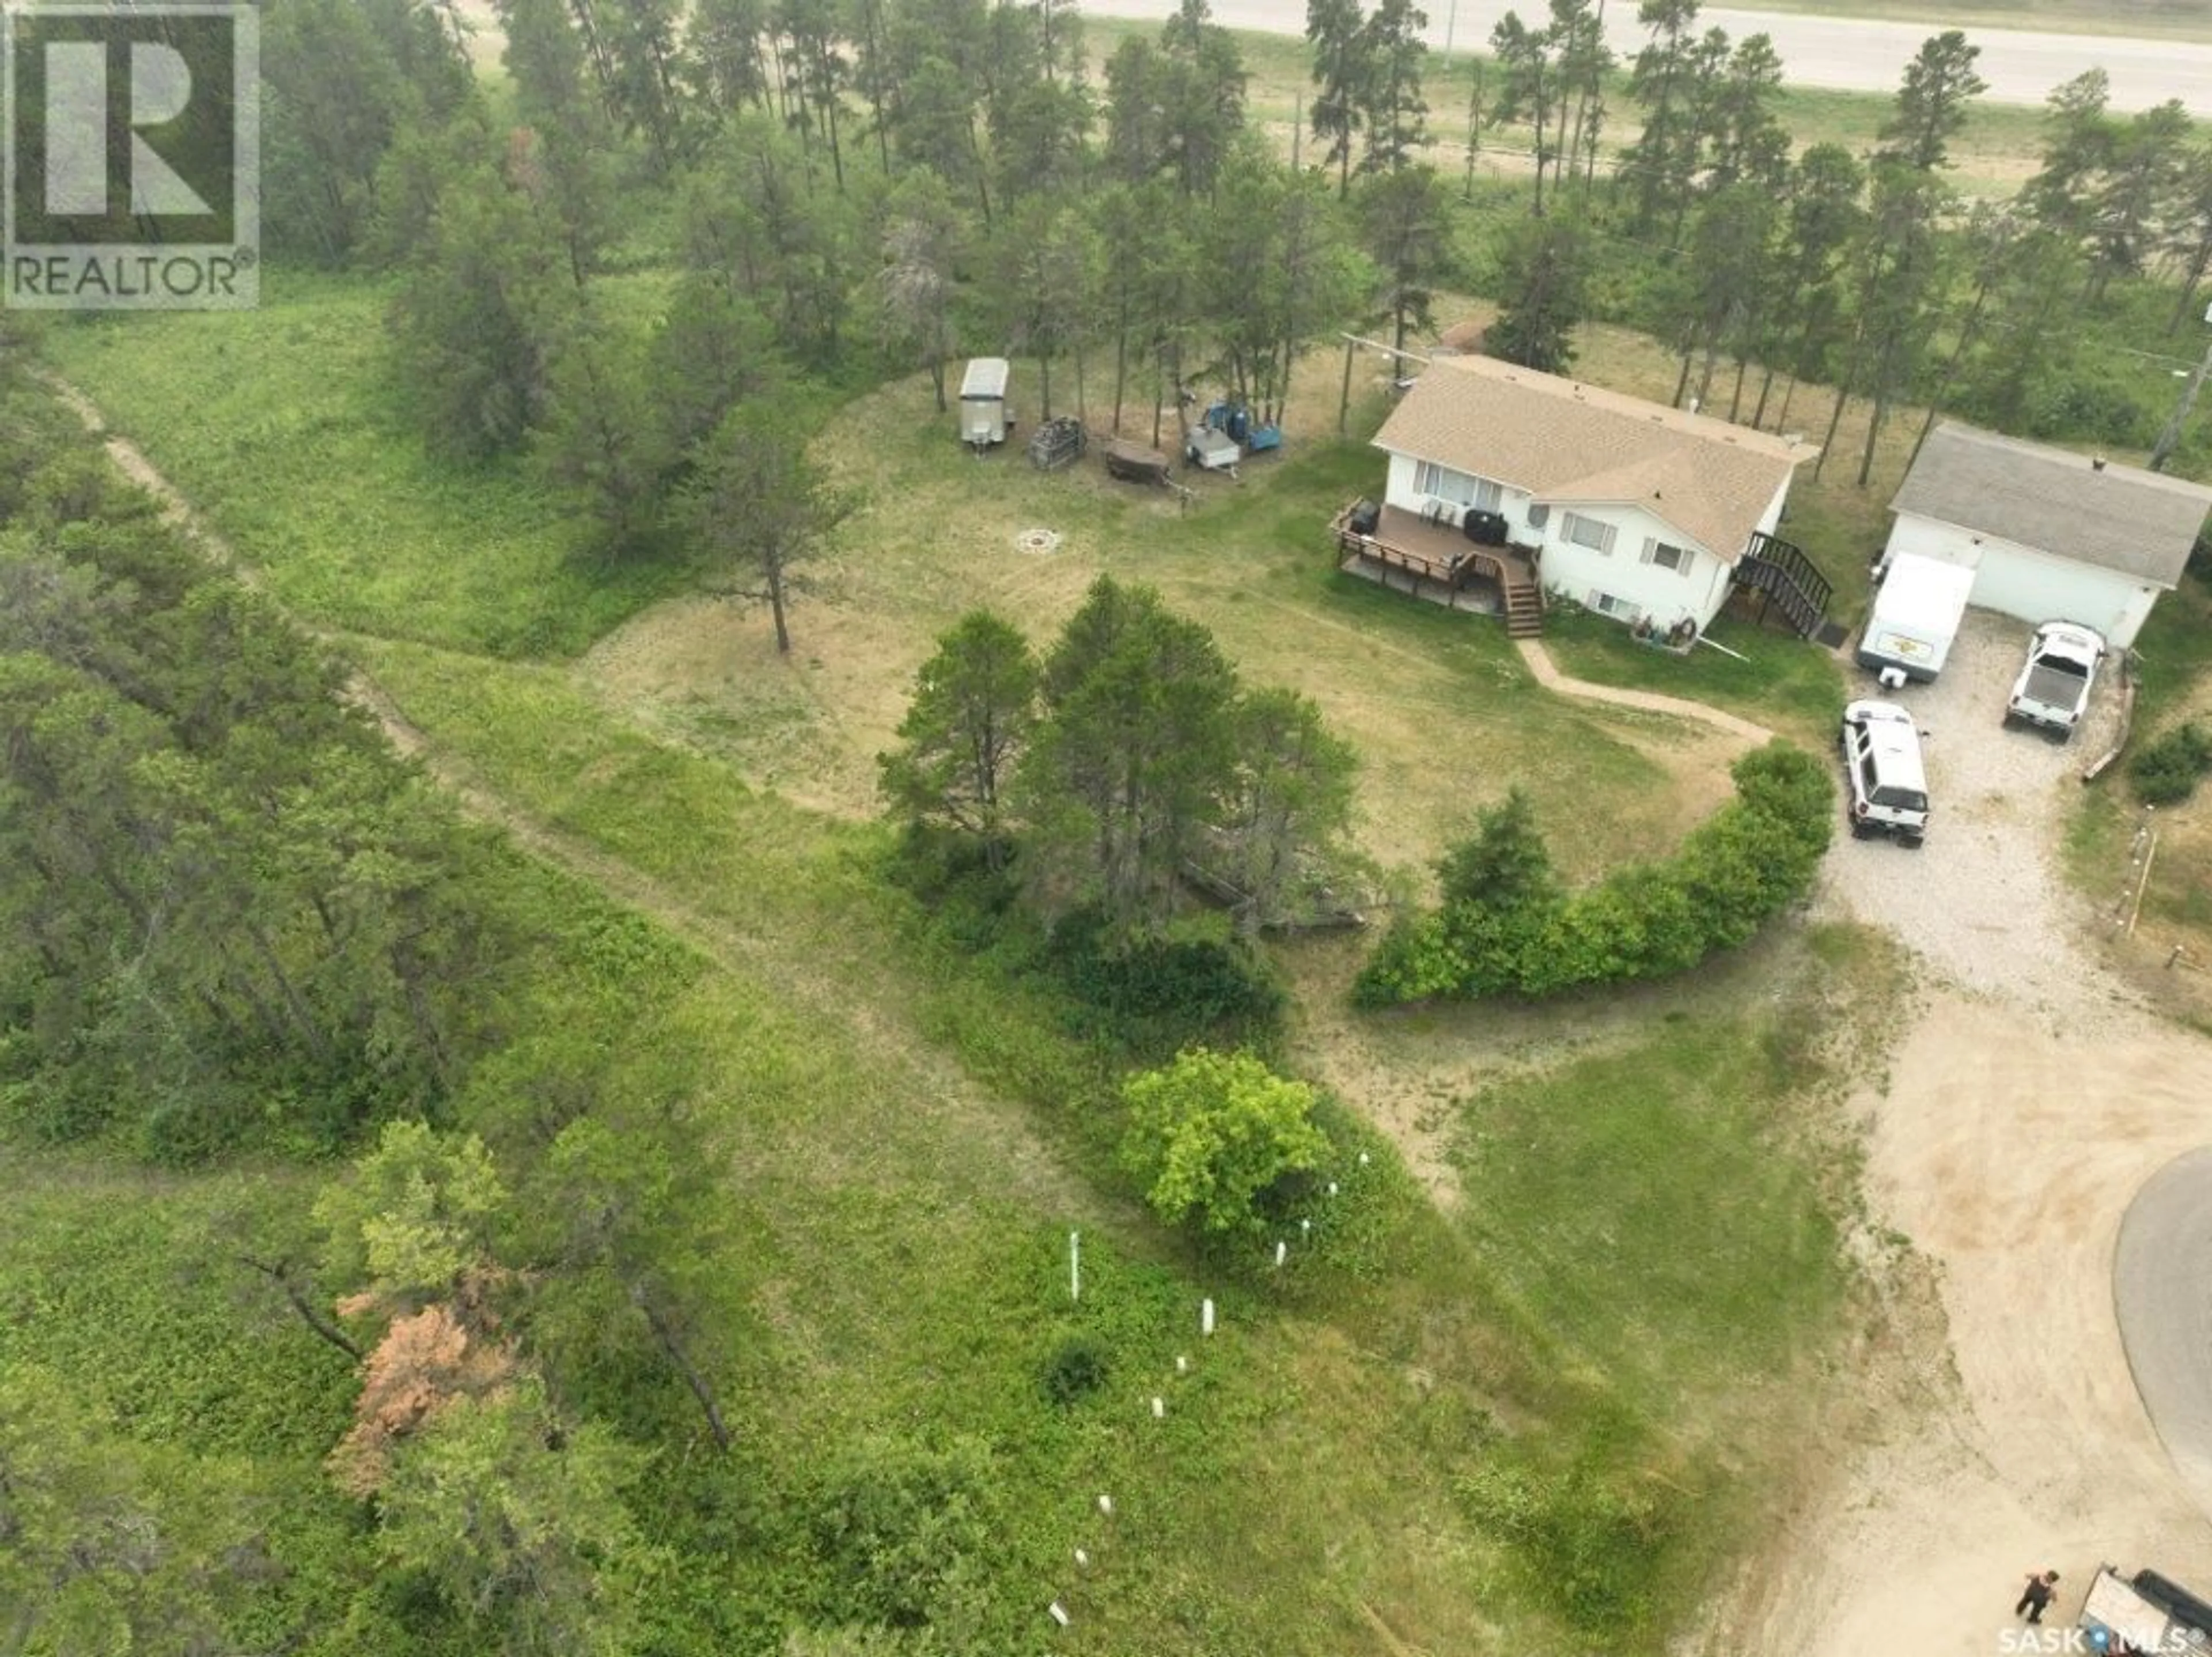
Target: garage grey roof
{"x":2140,"y":523}
{"x":1577,"y":445}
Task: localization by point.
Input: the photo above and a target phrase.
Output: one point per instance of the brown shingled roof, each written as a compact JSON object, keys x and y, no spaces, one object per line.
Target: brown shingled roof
{"x":1576,"y":445}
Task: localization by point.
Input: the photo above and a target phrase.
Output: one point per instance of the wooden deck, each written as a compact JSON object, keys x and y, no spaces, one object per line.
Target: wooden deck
{"x":1438,"y":563}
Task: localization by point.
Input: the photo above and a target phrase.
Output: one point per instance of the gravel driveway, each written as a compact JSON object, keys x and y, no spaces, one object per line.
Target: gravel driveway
{"x":1982,"y":900}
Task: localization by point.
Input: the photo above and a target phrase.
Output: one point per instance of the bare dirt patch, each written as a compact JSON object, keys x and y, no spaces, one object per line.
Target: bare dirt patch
{"x":2017,"y":1119}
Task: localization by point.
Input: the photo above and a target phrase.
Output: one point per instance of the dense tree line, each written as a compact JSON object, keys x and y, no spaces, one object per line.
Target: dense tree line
{"x":226,"y":911}
{"x":1871,"y":273}
{"x":819,"y":194}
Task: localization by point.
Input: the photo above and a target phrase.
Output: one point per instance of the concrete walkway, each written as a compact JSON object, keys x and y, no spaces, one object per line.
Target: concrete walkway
{"x":1549,"y":676}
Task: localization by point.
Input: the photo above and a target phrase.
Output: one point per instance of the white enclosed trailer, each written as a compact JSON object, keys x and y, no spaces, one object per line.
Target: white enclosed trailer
{"x":1917,"y":612}
{"x":984,"y":416}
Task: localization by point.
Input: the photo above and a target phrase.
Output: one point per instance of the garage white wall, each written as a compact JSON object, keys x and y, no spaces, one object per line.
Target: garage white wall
{"x":2032,"y":585}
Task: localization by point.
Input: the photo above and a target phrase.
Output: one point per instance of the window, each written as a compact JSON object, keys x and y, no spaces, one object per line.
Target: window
{"x":1676,"y":559}
{"x":1443,"y":484}
{"x":1606,"y":604}
{"x":1592,"y":532}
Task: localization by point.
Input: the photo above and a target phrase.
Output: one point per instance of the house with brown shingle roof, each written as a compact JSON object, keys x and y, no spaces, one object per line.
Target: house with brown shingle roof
{"x":1636,"y":510}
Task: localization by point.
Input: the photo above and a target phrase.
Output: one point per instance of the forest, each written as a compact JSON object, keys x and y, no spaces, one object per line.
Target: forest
{"x":544,"y":1191}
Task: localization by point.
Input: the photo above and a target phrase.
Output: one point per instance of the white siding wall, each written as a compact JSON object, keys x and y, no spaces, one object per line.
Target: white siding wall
{"x":1580,"y":574}
{"x":1398,"y":491}
{"x":2033,"y":585}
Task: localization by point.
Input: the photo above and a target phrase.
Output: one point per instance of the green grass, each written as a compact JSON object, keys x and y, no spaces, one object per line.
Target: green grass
{"x":129,"y":1283}
{"x":284,"y":427}
{"x":1784,"y":683}
{"x":1661,"y":1244}
{"x":1662,"y":1160}
{"x":1657,"y":1205}
{"x":125,"y":1288}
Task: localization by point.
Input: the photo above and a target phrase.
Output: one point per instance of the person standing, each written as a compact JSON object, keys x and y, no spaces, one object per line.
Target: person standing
{"x":2036,"y":1596}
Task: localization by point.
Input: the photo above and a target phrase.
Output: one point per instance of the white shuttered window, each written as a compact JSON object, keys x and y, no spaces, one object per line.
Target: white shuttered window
{"x":1594,"y":532}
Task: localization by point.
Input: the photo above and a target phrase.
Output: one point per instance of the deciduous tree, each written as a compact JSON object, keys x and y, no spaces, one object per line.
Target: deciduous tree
{"x":1213,"y":1138}
{"x":517,"y":1521}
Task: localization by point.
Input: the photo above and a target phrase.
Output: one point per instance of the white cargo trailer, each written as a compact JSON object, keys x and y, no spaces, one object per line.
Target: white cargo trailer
{"x":1917,"y":612}
{"x":984,"y":416}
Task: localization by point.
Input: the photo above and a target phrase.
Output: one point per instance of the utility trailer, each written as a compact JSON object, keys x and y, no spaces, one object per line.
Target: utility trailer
{"x":1916,"y":616}
{"x":985,"y":419}
{"x":1133,"y":463}
{"x":1211,"y":449}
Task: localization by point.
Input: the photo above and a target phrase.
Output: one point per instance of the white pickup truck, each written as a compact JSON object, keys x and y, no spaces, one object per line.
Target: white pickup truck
{"x":2053,"y":688}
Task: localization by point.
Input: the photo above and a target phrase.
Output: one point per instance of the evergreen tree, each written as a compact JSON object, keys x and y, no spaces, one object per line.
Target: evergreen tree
{"x":1343,"y":66}
{"x":1406,"y":216}
{"x":758,"y":505}
{"x":1660,"y":81}
{"x":1396,"y":116}
{"x":1134,"y":755}
{"x":2143,"y":179}
{"x":972,"y":718}
{"x":1544,"y":285}
{"x":1931,"y":104}
{"x":2077,"y":147}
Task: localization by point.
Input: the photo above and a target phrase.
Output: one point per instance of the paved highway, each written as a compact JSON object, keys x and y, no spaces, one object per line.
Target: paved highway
{"x":2162,"y":1290}
{"x":1847,"y":54}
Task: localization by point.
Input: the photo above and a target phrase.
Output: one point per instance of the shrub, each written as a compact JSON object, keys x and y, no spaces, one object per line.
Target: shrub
{"x":1194,"y":978}
{"x":2167,"y":772}
{"x":1214,"y":1137}
{"x":1504,"y":929}
{"x":1075,"y":1369}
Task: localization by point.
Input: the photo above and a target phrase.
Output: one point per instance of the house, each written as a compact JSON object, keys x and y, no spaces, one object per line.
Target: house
{"x":1501,"y":476}
{"x":2050,"y":535}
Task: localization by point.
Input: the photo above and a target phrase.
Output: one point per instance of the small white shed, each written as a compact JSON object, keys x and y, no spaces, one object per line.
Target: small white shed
{"x":984,"y":416}
{"x":2050,"y":535}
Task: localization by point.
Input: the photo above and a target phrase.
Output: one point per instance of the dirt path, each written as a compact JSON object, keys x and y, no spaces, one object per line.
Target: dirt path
{"x":937,"y":1080}
{"x":1549,"y":676}
{"x":2032,"y":1100}
{"x":2027,"y":1106}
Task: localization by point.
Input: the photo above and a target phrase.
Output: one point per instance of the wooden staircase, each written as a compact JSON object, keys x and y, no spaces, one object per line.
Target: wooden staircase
{"x":1786,"y":580}
{"x":1524,"y":603}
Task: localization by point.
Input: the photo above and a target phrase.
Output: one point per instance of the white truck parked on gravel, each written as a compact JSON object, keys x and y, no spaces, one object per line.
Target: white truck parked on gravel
{"x":2053,"y":688}
{"x":2146,"y":1612}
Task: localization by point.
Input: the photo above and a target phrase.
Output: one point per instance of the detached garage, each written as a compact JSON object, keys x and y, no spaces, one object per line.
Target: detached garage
{"x":2050,"y":535}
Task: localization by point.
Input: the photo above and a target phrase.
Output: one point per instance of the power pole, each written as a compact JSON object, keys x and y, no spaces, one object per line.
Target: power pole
{"x":2163,"y":451}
